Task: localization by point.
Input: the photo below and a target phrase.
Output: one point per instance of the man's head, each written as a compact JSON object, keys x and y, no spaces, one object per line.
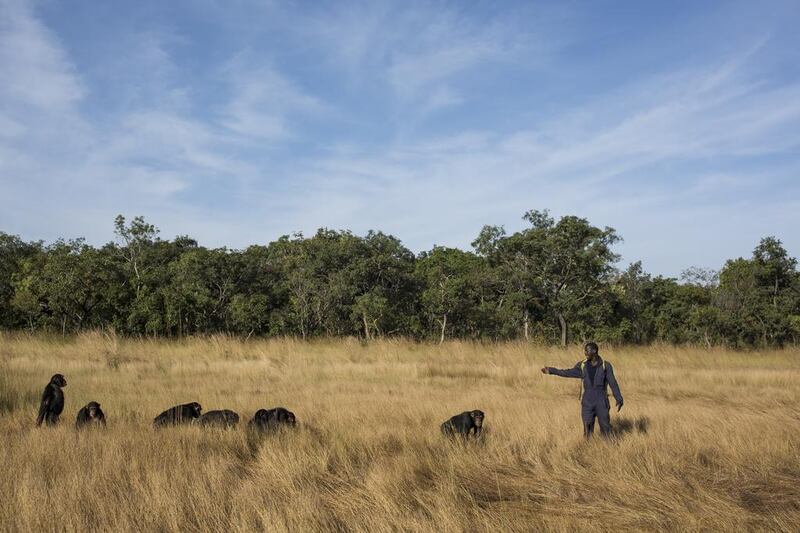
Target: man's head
{"x":591,"y":350}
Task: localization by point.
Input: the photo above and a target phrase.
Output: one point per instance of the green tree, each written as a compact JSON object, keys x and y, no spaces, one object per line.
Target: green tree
{"x":636,"y":310}
{"x":760,"y":295}
{"x":249,"y":313}
{"x":512,"y":260}
{"x":136,"y":237}
{"x":202,"y":283}
{"x":29,"y":298}
{"x":261,"y":305}
{"x":448,"y":290}
{"x":71,"y":284}
{"x":559,"y":266}
{"x":13,"y":252}
{"x":382,"y":285}
{"x":777,"y":271}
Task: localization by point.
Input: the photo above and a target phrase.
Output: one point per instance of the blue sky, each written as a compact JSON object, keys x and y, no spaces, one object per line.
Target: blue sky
{"x":677,"y":123}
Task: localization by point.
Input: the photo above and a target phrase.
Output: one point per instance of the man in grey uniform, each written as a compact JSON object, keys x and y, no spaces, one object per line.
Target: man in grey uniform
{"x":596,"y":374}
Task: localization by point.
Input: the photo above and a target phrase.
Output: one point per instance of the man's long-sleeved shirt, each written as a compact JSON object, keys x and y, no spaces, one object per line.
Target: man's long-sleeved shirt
{"x":594,"y":389}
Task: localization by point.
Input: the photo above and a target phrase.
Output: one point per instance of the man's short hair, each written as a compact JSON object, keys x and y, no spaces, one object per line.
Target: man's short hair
{"x":591,"y":348}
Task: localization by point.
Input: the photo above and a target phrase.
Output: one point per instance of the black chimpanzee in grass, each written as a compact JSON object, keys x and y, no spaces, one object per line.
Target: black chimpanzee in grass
{"x":52,"y":403}
{"x":463,"y":424}
{"x":266,"y":419}
{"x":224,"y":418}
{"x":90,"y":415}
{"x":180,"y":414}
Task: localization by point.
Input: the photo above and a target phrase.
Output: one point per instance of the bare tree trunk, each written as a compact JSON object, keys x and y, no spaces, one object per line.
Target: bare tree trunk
{"x":138,"y":278}
{"x":366,"y":326}
{"x":64,"y":325}
{"x":563,"y":323}
{"x":763,"y":331}
{"x":444,"y":325}
{"x":525,"y":324}
{"x":775,"y":294}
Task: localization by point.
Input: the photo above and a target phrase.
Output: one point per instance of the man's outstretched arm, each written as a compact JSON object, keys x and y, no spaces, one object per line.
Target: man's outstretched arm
{"x":574,"y":372}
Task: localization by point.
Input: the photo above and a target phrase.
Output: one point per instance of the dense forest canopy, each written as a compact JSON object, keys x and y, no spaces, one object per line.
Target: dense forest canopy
{"x":554,"y":281}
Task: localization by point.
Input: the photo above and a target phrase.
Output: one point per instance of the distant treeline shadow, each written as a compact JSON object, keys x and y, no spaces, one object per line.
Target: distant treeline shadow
{"x":624,"y":425}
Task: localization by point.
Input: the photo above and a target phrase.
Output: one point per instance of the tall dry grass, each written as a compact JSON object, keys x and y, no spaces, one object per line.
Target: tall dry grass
{"x":707,"y":439}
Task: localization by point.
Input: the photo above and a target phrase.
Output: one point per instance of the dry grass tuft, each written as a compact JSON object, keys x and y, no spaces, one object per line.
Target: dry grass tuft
{"x":707,"y":440}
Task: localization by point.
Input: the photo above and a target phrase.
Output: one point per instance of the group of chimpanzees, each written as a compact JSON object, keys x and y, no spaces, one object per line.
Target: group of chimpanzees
{"x":52,"y":404}
{"x":190,"y":413}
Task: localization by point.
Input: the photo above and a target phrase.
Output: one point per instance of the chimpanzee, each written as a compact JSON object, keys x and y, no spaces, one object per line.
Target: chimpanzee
{"x":266,"y":419}
{"x":180,"y":414}
{"x":90,"y":415}
{"x":223,"y":418}
{"x":464,"y":423}
{"x":52,"y":401}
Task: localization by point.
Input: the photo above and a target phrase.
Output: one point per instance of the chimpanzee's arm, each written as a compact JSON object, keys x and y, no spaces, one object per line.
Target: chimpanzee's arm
{"x":43,"y":406}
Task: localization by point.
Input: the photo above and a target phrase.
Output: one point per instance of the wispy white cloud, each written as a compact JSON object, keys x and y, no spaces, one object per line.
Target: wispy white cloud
{"x":36,"y":72}
{"x":721,"y":183}
{"x":264,"y":100}
{"x":410,"y":72}
{"x":420,"y":51}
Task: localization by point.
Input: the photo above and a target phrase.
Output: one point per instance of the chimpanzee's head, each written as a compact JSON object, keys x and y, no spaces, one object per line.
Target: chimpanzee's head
{"x":93,"y":408}
{"x":477,"y":417}
{"x":58,"y":379}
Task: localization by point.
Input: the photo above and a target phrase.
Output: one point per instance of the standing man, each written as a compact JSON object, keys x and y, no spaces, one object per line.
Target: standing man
{"x":596,"y":374}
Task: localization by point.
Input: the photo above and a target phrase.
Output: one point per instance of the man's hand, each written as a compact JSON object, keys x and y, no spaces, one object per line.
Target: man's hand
{"x":619,"y":406}
{"x":545,"y":370}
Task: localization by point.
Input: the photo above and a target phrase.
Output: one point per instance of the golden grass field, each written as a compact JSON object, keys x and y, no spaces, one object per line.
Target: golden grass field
{"x":707,"y":440}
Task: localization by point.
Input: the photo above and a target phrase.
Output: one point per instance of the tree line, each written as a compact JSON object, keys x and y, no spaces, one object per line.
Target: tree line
{"x":554,"y":281}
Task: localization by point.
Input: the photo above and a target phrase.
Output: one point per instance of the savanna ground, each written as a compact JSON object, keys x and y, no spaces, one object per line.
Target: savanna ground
{"x":707,"y":439}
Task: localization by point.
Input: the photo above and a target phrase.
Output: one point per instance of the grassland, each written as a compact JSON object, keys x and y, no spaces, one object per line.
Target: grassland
{"x":708,"y":440}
